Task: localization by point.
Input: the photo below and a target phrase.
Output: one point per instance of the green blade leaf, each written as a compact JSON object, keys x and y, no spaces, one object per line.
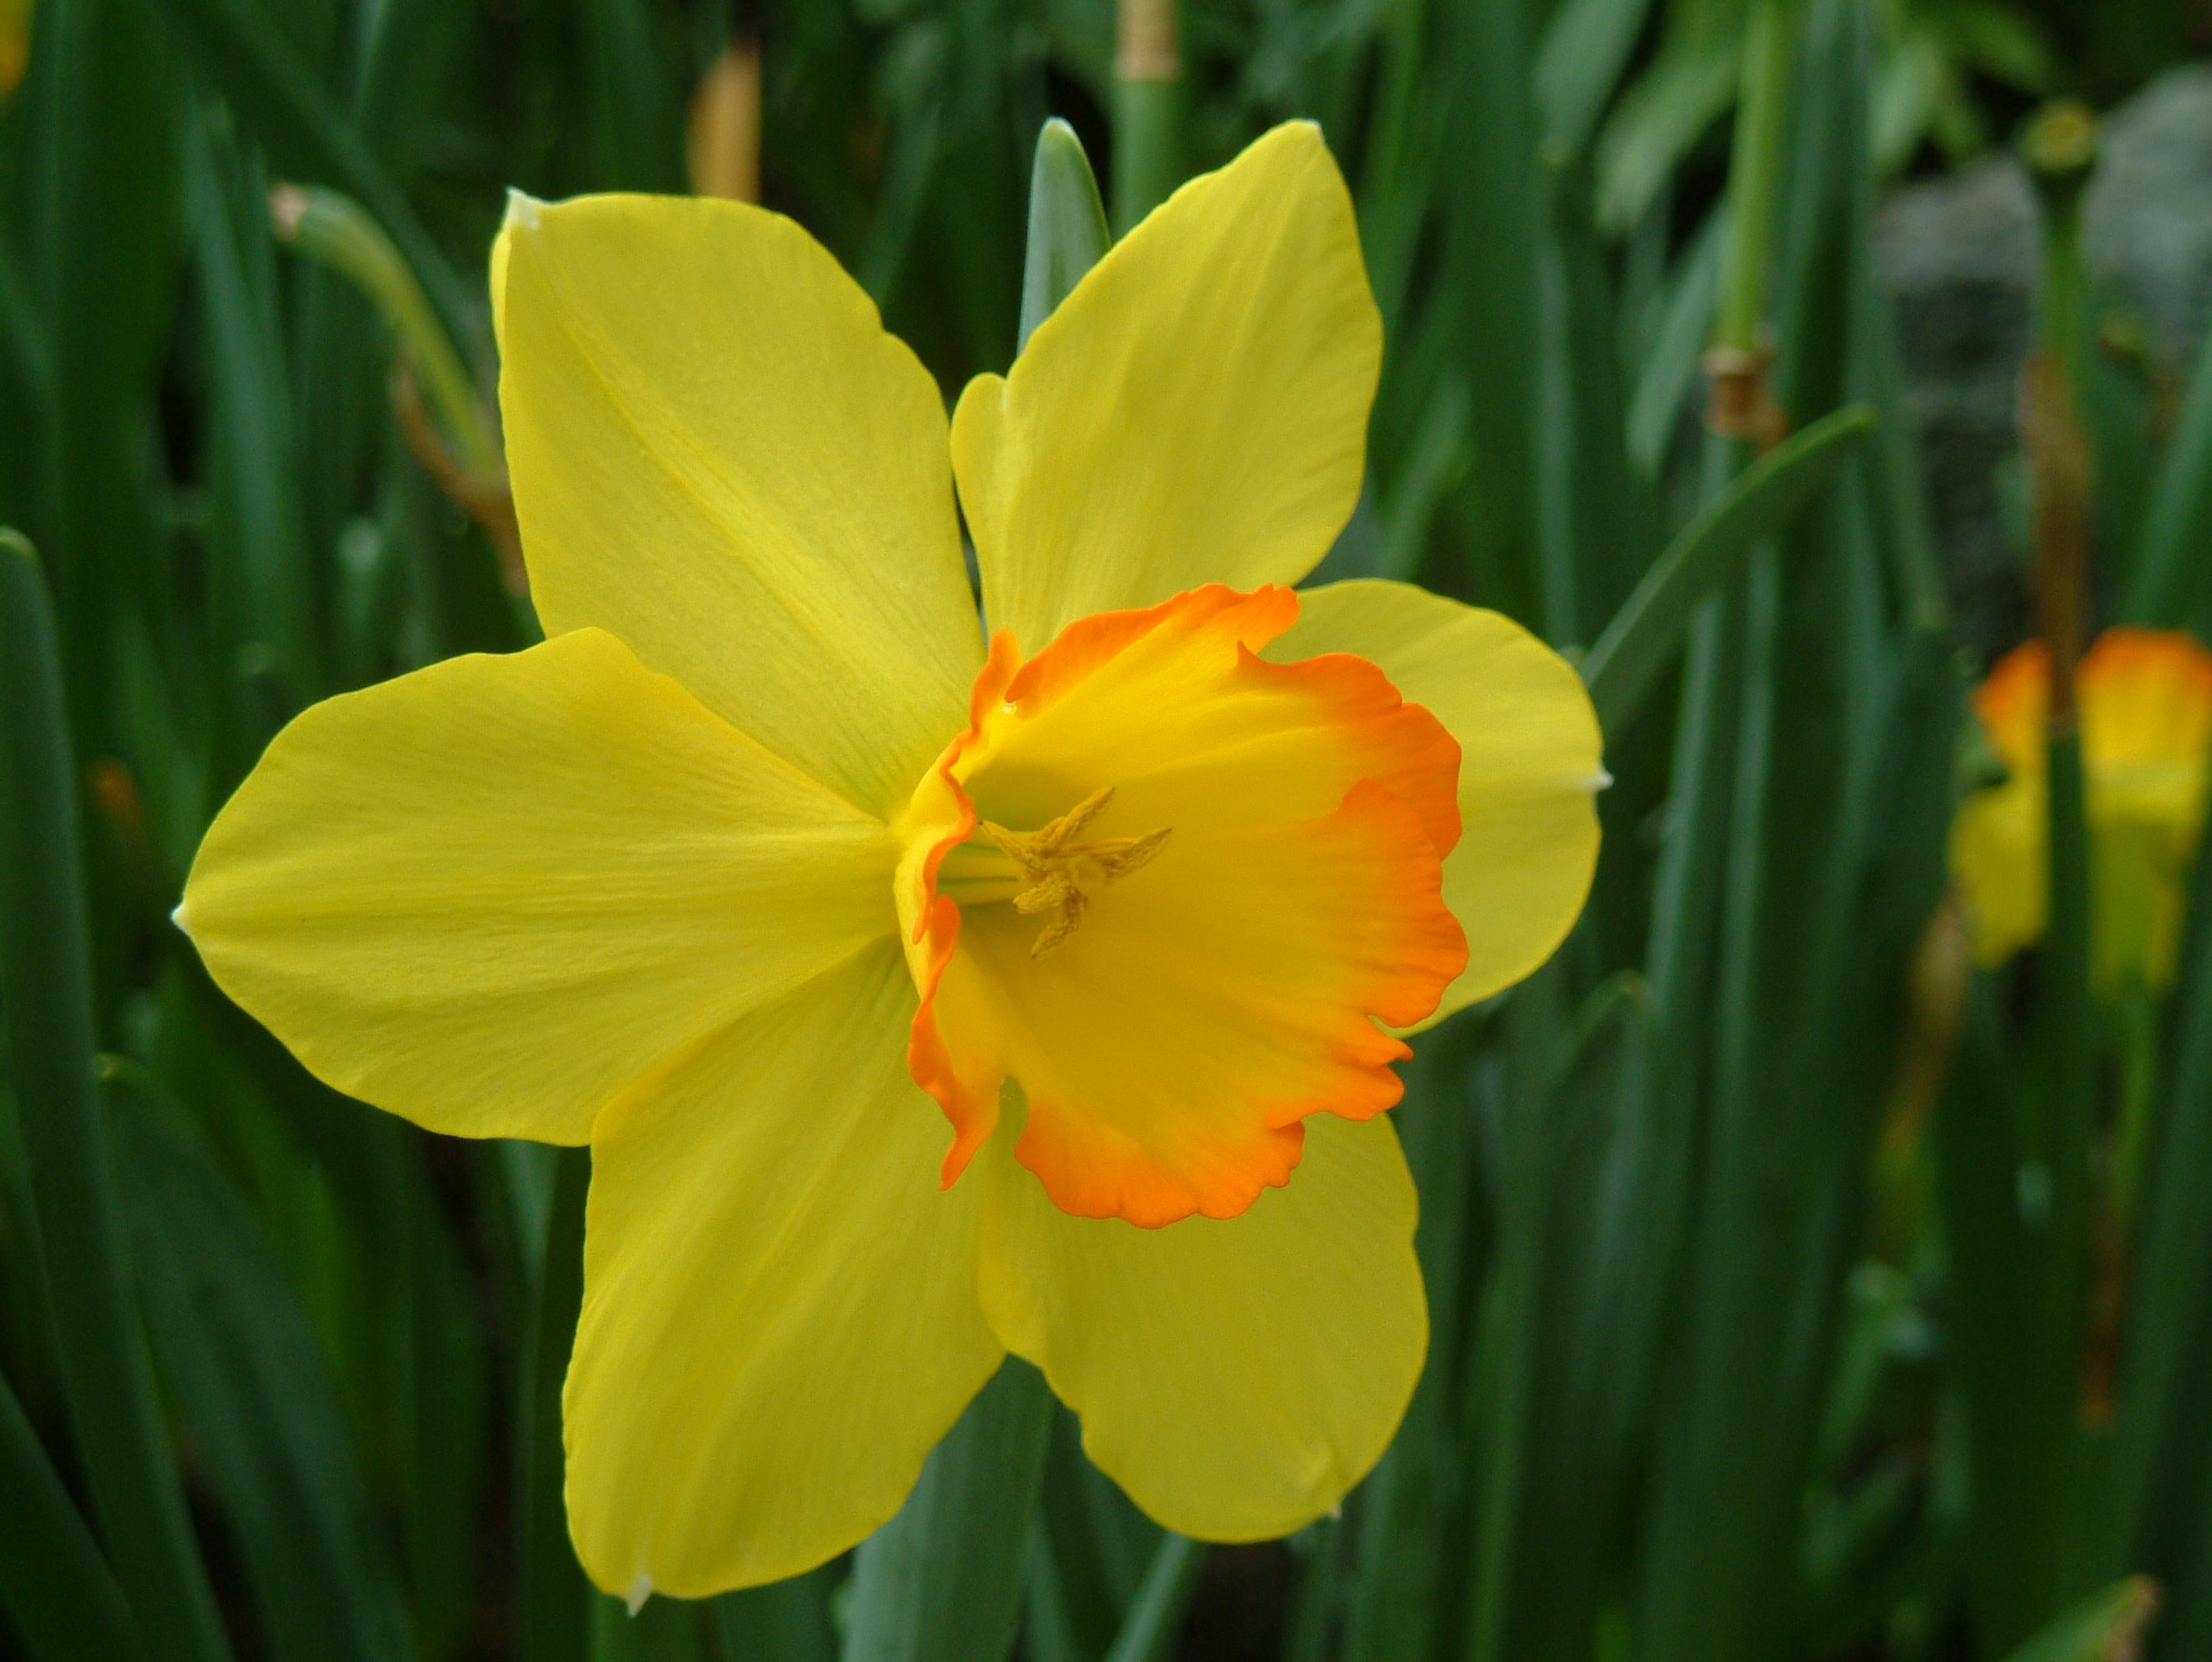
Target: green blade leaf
{"x":1068,"y":225}
{"x":2168,"y":571}
{"x":1706,"y":555}
{"x":242,"y":1365}
{"x":277,"y":101}
{"x":54,"y":1585}
{"x":942,"y":1581}
{"x":557,"y":1599}
{"x":1586,"y":45}
{"x":47,"y":1002}
{"x":2105,"y":1627}
{"x":783,"y":1622}
{"x":1157,"y":1616}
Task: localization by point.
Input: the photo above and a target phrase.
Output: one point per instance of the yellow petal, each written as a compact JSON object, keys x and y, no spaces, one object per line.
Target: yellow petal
{"x":720,"y":456}
{"x":1237,"y":1376}
{"x":1531,"y":762}
{"x":1999,"y":865}
{"x":1195,"y":411}
{"x":780,"y":1312}
{"x":2144,"y":698}
{"x":490,"y":894}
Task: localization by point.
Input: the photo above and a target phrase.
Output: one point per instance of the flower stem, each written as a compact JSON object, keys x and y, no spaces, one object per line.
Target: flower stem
{"x":336,"y":231}
{"x":1147,"y":109}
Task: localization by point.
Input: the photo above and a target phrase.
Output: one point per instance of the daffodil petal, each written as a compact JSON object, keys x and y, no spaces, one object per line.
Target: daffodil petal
{"x":1998,"y":862}
{"x":1237,"y":1376}
{"x":2143,"y":698}
{"x":780,"y":1303}
{"x":490,"y":894}
{"x":1195,"y":411}
{"x":1531,"y":762}
{"x":720,"y":456}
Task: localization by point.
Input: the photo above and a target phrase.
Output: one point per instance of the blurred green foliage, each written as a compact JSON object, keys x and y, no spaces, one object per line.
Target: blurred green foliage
{"x":1781,"y":1306}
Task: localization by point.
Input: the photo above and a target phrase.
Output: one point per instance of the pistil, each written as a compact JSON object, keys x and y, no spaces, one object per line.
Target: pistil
{"x":1059,"y":874}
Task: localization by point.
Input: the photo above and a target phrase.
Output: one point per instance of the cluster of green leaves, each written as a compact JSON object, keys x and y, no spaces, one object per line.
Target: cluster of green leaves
{"x":1734,"y":1353}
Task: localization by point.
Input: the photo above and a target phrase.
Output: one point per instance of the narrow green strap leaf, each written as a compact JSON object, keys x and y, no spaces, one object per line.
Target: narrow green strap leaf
{"x":247,"y":1378}
{"x":2173,"y":1254}
{"x":1685,"y":323}
{"x":2102,"y":1628}
{"x":277,"y":100}
{"x":942,"y":1581}
{"x":2165,"y":574}
{"x":1709,"y":552}
{"x":53,"y":1583}
{"x":1068,"y":225}
{"x":1155,"y":1617}
{"x":783,"y":1622}
{"x":2067,"y":1032}
{"x":1995,"y":1300}
{"x":46,"y":998}
{"x":1586,"y":45}
{"x":557,"y":1599}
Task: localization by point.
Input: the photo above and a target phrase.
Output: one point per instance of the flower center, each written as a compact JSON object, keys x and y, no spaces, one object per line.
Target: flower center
{"x":1167,"y":1063}
{"x":1052,"y":872}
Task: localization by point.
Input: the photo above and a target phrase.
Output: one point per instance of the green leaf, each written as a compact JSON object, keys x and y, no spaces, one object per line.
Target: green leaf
{"x":783,"y":1622}
{"x":2105,"y":1627}
{"x":54,"y":1585}
{"x":1545,"y":1354}
{"x":1156,"y":1615}
{"x":942,"y":1581}
{"x":265,"y":651}
{"x":2013,"y":1448}
{"x":1493,"y":233}
{"x":308,"y":136}
{"x":632,"y":127}
{"x":1594,"y":511}
{"x":1401,"y":1584}
{"x":1586,"y":45}
{"x":97,"y":114}
{"x":243,"y":1366}
{"x":1657,"y":123}
{"x":46,"y":1002}
{"x":1067,"y":233}
{"x":1664,"y":384}
{"x":557,"y":1599}
{"x":2159,"y":1413}
{"x":1091,"y":1550}
{"x":1706,"y":556}
{"x":2169,"y":567}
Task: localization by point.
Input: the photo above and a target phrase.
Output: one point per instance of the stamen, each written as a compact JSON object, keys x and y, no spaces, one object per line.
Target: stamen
{"x":1052,"y":864}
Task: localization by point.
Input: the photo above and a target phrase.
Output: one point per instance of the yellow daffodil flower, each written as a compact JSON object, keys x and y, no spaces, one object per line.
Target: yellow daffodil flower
{"x":766,"y":848}
{"x":2145,"y":702}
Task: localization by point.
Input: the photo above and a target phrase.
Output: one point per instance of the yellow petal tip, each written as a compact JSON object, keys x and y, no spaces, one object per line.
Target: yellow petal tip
{"x":639,"y":1590}
{"x":522,"y":208}
{"x":178,"y":917}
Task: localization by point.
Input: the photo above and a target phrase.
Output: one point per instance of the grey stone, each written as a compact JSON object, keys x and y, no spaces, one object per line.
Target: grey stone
{"x":1960,"y":254}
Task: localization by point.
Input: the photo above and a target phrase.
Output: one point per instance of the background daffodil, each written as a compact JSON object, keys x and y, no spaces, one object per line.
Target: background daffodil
{"x":766,"y":846}
{"x":2145,"y":699}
